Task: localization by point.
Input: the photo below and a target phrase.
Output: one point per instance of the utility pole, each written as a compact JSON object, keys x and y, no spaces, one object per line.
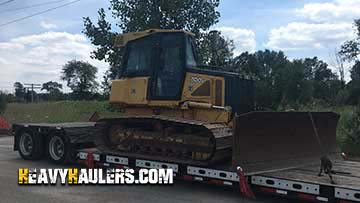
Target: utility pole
{"x":32,"y":86}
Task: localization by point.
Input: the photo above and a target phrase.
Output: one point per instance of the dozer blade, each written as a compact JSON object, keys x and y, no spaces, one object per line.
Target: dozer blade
{"x":267,"y":141}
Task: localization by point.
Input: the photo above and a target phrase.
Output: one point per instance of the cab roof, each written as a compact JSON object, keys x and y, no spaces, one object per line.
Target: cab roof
{"x":123,"y":39}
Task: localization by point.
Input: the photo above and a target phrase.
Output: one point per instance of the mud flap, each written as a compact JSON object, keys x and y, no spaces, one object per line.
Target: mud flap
{"x":266,"y":141}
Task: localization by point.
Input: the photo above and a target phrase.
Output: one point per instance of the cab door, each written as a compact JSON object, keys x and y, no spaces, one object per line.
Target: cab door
{"x":169,"y":70}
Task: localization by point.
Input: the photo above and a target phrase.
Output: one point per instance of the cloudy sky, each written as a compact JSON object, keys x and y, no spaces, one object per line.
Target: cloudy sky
{"x":33,"y":50}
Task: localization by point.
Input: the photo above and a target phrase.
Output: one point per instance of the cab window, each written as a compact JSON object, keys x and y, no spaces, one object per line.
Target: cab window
{"x":139,"y":57}
{"x":190,"y":58}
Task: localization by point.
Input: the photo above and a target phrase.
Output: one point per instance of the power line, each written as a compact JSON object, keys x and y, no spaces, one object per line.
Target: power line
{"x":38,"y":13}
{"x":32,"y":6}
{"x":6,"y":2}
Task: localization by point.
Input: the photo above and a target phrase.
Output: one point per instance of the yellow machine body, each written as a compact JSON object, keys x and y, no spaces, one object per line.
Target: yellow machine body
{"x":174,"y":109}
{"x":204,"y":92}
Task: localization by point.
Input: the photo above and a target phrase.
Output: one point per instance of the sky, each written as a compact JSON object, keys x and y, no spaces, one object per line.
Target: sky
{"x":34,"y":50}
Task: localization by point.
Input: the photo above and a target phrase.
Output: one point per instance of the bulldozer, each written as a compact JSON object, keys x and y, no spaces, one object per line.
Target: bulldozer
{"x":175,"y":110}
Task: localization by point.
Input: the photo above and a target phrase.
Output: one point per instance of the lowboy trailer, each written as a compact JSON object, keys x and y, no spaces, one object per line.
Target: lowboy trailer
{"x":73,"y":142}
{"x":202,"y":123}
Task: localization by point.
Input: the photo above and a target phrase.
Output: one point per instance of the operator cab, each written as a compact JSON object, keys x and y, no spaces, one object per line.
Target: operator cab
{"x":159,"y":69}
{"x":163,"y":57}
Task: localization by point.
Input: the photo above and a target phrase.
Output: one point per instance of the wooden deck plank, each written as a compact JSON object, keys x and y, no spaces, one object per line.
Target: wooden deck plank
{"x":310,"y":174}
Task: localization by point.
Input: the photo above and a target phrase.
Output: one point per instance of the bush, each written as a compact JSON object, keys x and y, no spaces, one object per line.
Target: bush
{"x":350,"y":128}
{"x":341,"y":97}
{"x":3,"y":102}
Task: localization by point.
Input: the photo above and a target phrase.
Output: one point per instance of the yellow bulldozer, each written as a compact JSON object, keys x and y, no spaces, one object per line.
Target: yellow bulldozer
{"x":174,"y":111}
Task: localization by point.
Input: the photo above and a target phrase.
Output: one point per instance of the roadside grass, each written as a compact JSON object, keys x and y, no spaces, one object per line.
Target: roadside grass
{"x":53,"y":112}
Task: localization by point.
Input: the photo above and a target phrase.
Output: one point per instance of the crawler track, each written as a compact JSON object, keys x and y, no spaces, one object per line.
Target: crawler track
{"x":165,"y":138}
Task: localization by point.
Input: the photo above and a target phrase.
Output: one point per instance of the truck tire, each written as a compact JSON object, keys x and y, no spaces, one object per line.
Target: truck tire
{"x":58,"y":148}
{"x":30,"y":145}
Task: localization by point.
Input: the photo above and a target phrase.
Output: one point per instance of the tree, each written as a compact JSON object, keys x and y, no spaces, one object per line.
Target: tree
{"x":138,"y":15}
{"x":244,"y":64}
{"x":350,"y":50}
{"x":19,"y":91}
{"x":192,"y":15}
{"x":293,"y":85}
{"x":321,"y":71}
{"x":268,"y":69}
{"x":340,"y":66}
{"x":80,"y":77}
{"x":106,"y":84}
{"x":282,"y":83}
{"x":354,"y":84}
{"x":326,"y":84}
{"x":103,"y":38}
{"x":3,"y":102}
{"x":214,"y":49}
{"x":53,"y":88}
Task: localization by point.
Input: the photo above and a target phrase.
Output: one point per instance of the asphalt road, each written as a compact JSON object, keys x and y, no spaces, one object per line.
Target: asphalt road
{"x":181,"y":191}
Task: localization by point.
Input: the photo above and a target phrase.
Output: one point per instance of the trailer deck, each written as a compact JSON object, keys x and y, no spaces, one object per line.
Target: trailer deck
{"x":347,"y":174}
{"x":346,"y":177}
{"x":77,"y":132}
{"x":298,"y":183}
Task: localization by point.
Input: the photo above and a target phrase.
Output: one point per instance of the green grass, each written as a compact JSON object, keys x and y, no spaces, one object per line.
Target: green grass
{"x":53,"y":112}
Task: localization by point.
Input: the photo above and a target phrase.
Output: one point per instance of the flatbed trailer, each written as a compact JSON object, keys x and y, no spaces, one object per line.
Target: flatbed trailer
{"x":300,"y":183}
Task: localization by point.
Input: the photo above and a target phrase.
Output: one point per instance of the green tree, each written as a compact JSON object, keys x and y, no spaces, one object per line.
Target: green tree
{"x":54,"y":90}
{"x":245,"y":63}
{"x":214,"y":49}
{"x":268,"y":69}
{"x":81,"y":78}
{"x":138,"y":15}
{"x":106,"y":84}
{"x":350,"y":50}
{"x":19,"y":91}
{"x":3,"y":102}
{"x":292,"y":84}
{"x":326,"y":83}
{"x":192,"y":15}
{"x":282,"y":83}
{"x":101,"y":35}
{"x":354,"y":84}
{"x":51,"y":86}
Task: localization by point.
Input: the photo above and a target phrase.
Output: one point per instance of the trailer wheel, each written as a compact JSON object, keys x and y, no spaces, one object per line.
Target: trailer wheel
{"x":30,"y":145}
{"x":58,"y":149}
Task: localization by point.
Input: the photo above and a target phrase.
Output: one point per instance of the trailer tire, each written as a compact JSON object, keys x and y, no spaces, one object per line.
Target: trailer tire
{"x":58,"y":148}
{"x":30,"y":145}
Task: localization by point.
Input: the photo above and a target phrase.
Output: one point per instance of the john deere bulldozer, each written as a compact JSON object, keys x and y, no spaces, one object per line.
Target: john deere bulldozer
{"x":173,"y":110}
